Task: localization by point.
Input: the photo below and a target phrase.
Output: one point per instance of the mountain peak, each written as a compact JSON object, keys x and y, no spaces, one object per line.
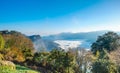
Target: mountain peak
{"x":35,"y":37}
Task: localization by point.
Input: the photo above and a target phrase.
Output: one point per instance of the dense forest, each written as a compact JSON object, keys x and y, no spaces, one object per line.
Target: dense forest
{"x":18,"y":55}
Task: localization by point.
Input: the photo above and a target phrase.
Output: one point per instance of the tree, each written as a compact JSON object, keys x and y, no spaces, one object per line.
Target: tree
{"x":56,"y":60}
{"x":40,"y":58}
{"x":14,"y":54}
{"x":61,"y":61}
{"x":69,"y":62}
{"x":115,"y":56}
{"x":109,"y":41}
{"x":103,"y":66}
{"x":83,"y":60}
{"x":103,"y":63}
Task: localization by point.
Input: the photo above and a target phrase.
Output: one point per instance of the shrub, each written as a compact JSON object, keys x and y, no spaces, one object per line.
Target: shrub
{"x":7,"y":67}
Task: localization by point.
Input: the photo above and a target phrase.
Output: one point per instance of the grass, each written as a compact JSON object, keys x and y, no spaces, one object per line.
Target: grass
{"x":22,"y":69}
{"x":10,"y":67}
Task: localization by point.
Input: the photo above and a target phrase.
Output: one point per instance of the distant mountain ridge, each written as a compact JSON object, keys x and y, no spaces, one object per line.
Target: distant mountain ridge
{"x":48,"y":42}
{"x":88,"y":36}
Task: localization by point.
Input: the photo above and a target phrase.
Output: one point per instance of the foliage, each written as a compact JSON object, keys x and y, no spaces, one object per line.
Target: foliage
{"x":2,"y":42}
{"x":21,"y":46}
{"x":83,"y":61}
{"x":14,"y":54}
{"x":41,"y":58}
{"x":115,"y":56}
{"x":103,"y":63}
{"x":103,"y":49}
{"x":57,"y":61}
{"x":103,"y":55}
{"x":103,"y":66}
{"x":62,"y":61}
{"x":118,"y":67}
{"x":1,"y":57}
{"x":109,"y":41}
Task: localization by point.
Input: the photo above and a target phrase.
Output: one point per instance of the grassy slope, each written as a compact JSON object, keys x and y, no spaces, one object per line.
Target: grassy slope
{"x":22,"y":69}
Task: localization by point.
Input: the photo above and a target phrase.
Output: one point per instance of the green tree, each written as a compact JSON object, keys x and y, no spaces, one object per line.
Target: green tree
{"x":104,"y":55}
{"x":103,"y":66}
{"x":109,"y":41}
{"x":61,"y":61}
{"x":41,"y":58}
{"x":56,"y":59}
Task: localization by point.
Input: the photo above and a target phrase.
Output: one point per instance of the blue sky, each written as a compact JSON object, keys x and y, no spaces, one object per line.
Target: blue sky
{"x":46,"y":17}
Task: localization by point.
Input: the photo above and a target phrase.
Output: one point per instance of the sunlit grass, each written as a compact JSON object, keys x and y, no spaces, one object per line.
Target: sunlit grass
{"x":22,"y":69}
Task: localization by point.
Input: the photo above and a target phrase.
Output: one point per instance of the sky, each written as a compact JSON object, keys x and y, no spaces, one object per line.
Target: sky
{"x":47,"y":17}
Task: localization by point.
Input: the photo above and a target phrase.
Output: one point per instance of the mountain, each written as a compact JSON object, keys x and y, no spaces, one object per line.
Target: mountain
{"x":65,"y":40}
{"x":38,"y":42}
{"x":88,"y":36}
{"x":68,"y":39}
{"x":35,"y":37}
{"x":42,"y":44}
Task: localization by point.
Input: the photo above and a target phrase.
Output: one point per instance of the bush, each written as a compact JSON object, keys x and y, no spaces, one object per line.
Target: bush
{"x":7,"y":67}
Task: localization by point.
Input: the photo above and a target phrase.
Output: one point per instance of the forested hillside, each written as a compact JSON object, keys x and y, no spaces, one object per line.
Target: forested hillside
{"x":14,"y":47}
{"x":17,"y":55}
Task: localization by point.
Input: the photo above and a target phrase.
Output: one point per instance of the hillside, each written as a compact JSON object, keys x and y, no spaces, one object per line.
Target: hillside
{"x":22,"y":69}
{"x":15,"y":50}
{"x":17,"y":46}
